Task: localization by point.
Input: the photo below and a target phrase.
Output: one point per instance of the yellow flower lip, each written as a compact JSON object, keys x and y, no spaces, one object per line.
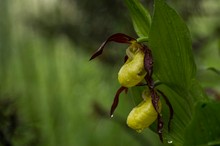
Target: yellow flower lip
{"x":143,"y":115}
{"x":133,"y":71}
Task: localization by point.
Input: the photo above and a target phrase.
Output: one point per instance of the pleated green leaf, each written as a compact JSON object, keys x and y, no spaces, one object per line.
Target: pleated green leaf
{"x":174,"y":66}
{"x":140,"y":17}
{"x":184,"y":107}
{"x":204,"y":129}
{"x":170,"y":42}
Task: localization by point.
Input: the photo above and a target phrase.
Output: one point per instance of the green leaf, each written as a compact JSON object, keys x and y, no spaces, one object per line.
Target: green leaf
{"x":204,"y":128}
{"x":174,"y":66}
{"x":140,"y":17}
{"x":170,"y":42}
{"x":219,"y":47}
{"x":182,"y":116}
{"x":183,"y":112}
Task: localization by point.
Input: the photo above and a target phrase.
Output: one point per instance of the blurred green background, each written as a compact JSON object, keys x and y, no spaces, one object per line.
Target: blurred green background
{"x":50,"y":94}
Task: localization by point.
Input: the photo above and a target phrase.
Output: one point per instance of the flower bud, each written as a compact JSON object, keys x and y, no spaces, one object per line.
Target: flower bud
{"x":143,"y":115}
{"x":132,"y":72}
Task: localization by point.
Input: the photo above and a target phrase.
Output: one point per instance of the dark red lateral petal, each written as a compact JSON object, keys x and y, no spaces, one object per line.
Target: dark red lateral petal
{"x":160,"y":127}
{"x":116,"y":99}
{"x":118,"y":37}
{"x":148,"y":61}
{"x":170,"y":108}
{"x":155,"y":100}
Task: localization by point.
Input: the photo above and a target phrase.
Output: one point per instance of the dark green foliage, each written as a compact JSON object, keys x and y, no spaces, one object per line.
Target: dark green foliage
{"x":174,"y":66}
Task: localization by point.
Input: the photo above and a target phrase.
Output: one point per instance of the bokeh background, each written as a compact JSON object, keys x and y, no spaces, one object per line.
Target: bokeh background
{"x":52,"y":95}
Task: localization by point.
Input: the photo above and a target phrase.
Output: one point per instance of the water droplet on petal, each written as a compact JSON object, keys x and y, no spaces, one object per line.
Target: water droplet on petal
{"x":139,"y":130}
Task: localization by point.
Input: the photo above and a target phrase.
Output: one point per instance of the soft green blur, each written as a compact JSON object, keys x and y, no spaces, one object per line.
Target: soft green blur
{"x":50,"y":93}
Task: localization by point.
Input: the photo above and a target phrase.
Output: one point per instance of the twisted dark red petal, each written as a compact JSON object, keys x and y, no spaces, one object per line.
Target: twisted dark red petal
{"x":148,"y":61}
{"x":160,"y":127}
{"x":170,"y":108}
{"x":116,"y":99}
{"x":155,"y":100}
{"x":118,"y":37}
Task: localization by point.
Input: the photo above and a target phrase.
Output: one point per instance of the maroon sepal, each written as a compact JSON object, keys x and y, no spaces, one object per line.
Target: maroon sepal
{"x":116,"y":99}
{"x":118,"y":37}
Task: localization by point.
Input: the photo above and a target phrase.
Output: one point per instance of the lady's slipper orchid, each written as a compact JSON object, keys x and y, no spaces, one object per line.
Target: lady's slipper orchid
{"x":138,"y":67}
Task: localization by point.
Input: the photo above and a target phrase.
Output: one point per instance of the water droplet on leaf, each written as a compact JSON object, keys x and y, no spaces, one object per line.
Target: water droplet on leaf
{"x":169,"y":141}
